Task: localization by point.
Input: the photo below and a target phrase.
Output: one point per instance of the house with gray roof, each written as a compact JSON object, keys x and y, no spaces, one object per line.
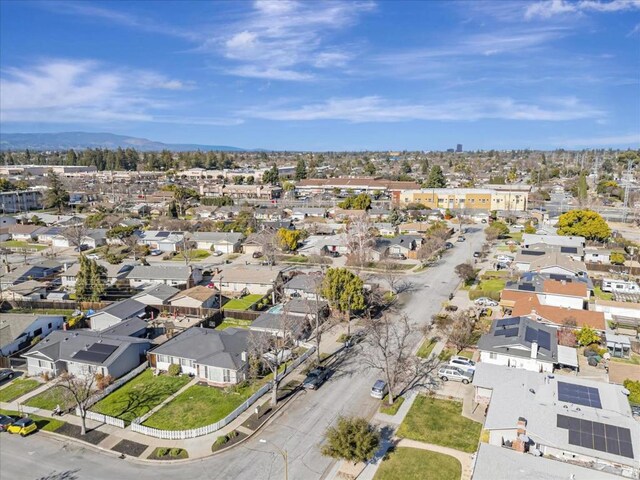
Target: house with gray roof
{"x":114,"y":273}
{"x":162,"y":240}
{"x":521,"y":343}
{"x":84,"y":352}
{"x":17,"y":330}
{"x":304,"y":285}
{"x":143,"y":276}
{"x":116,"y":313}
{"x":562,"y":418}
{"x":156,"y":294}
{"x":296,"y":318}
{"x":225,"y":242}
{"x":218,"y":357}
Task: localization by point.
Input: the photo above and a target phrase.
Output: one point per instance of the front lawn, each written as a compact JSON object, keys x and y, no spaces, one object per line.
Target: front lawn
{"x":244,"y":303}
{"x":440,"y":422}
{"x":18,"y":388}
{"x":391,"y":409}
{"x":517,"y":236}
{"x":415,"y":464}
{"x":426,"y":348}
{"x":233,"y":322}
{"x":198,"y":406}
{"x":139,"y":395}
{"x":10,"y":244}
{"x":602,"y":295}
{"x":49,"y":399}
{"x":44,"y":423}
{"x":193,"y":255}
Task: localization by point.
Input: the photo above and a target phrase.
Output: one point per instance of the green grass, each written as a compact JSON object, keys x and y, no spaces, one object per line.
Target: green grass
{"x":233,"y":322}
{"x":198,"y":406}
{"x":602,"y":295}
{"x":390,"y":266}
{"x":391,"y":409}
{"x":440,"y":422}
{"x":296,"y":259}
{"x":414,"y":464}
{"x":244,"y":303}
{"x":45,"y":311}
{"x":233,"y":256}
{"x":517,"y":236}
{"x":492,"y":284}
{"x":18,"y":388}
{"x":44,"y":423}
{"x":427,"y":347}
{"x":20,"y":244}
{"x":49,"y":399}
{"x":139,"y":396}
{"x":195,"y":255}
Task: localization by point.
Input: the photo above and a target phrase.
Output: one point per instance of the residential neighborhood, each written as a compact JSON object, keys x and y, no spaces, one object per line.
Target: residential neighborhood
{"x":320,"y":240}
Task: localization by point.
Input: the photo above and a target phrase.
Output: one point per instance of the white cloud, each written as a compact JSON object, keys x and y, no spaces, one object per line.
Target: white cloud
{"x":66,"y":91}
{"x":550,"y":8}
{"x":632,"y":139}
{"x":286,"y":40}
{"x":378,"y":109}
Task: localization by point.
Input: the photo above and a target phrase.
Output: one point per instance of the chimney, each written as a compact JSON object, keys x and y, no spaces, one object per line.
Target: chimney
{"x":243,"y":356}
{"x":534,"y":350}
{"x":519,"y":444}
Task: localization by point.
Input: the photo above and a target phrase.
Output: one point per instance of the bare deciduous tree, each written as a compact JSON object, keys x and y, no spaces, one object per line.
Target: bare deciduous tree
{"x":75,"y":234}
{"x":359,"y":240}
{"x":430,"y":246}
{"x":80,"y":388}
{"x":390,"y":353}
{"x":269,"y":351}
{"x":461,"y":329}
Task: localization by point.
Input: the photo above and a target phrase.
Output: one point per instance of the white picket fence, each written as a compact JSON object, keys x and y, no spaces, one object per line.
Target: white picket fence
{"x":117,"y":384}
{"x":198,"y":432}
{"x":99,"y":417}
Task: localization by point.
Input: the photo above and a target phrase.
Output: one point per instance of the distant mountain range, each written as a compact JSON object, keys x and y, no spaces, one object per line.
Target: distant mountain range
{"x":82,"y":140}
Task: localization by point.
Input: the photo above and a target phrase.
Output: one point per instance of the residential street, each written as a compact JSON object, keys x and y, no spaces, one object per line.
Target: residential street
{"x":299,"y":430}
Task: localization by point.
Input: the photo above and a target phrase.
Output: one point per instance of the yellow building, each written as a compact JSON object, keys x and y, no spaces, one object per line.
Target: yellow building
{"x":467,"y":198}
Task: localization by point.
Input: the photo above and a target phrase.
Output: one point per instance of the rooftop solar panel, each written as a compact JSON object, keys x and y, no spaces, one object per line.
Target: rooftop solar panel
{"x":505,"y":322}
{"x":597,"y":436}
{"x":527,"y":287}
{"x":568,"y":250}
{"x":163,"y":234}
{"x":511,"y":332}
{"x":544,"y":339}
{"x":93,"y":357}
{"x":579,"y":394}
{"x":103,"y":348}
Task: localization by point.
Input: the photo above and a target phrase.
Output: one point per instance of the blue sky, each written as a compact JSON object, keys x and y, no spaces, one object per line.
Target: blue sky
{"x":351,"y":75}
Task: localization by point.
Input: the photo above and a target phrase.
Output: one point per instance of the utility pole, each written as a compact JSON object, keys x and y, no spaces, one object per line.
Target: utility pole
{"x":627,"y":188}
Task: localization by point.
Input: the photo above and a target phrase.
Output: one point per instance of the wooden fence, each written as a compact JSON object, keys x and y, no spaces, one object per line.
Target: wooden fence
{"x":136,"y":426}
{"x":241,"y":314}
{"x":612,"y":269}
{"x":56,"y":305}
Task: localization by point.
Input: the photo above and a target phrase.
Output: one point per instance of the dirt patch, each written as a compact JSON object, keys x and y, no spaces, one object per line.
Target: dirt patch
{"x":93,"y":437}
{"x":128,"y":447}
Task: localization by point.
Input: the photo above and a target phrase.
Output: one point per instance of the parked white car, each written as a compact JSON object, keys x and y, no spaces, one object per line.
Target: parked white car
{"x":504,"y":258}
{"x":456,"y":374}
{"x":93,"y":256}
{"x":462,"y":362}
{"x":485,"y":302}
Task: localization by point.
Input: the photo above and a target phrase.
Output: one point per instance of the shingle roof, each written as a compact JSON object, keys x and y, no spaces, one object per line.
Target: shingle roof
{"x":528,"y":304}
{"x":124,"y":309}
{"x":198,"y":292}
{"x":216,"y":348}
{"x":527,"y":332}
{"x":161,"y":291}
{"x":160,"y":272}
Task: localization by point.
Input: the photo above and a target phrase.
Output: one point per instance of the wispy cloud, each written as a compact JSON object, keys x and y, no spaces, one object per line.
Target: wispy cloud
{"x":551,"y":8}
{"x":632,"y":139}
{"x":378,"y":109}
{"x":288,"y":40}
{"x":92,"y":11}
{"x":67,"y":91}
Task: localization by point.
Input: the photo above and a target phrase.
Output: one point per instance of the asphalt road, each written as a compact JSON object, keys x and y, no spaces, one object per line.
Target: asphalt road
{"x":299,"y":430}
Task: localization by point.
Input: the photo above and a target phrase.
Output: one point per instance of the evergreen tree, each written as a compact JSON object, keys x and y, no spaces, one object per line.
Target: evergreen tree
{"x":582,"y":188}
{"x":301,"y":169}
{"x":57,"y":196}
{"x":271,"y":176}
{"x":424,"y":166}
{"x":98,"y":277}
{"x":436,"y":178}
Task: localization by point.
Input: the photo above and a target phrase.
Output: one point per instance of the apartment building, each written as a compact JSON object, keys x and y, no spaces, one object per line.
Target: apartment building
{"x":467,"y":198}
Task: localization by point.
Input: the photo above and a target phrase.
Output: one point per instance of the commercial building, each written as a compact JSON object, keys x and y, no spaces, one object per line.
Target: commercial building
{"x":20,"y":201}
{"x":355,"y":185}
{"x":467,"y":198}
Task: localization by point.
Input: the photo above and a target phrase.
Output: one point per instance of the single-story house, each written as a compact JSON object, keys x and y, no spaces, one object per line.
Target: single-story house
{"x":30,"y":290}
{"x":551,"y":262}
{"x":296,"y":318}
{"x":162,"y":240}
{"x":300,"y":213}
{"x":142,"y":276}
{"x":401,"y":245}
{"x":324,"y":244}
{"x":529,"y":239}
{"x":83,"y":352}
{"x":132,"y":327}
{"x":18,"y":330}
{"x":196,"y":297}
{"x":386,"y":229}
{"x":218,"y":357}
{"x":236,"y":280}
{"x":253,"y":244}
{"x":521,"y":343}
{"x":115,"y":273}
{"x":157,"y":294}
{"x":527,"y":304}
{"x":304,"y":285}
{"x":116,"y":313}
{"x":25,"y":233}
{"x":554,"y":290}
{"x":6,"y":220}
{"x":225,"y":242}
